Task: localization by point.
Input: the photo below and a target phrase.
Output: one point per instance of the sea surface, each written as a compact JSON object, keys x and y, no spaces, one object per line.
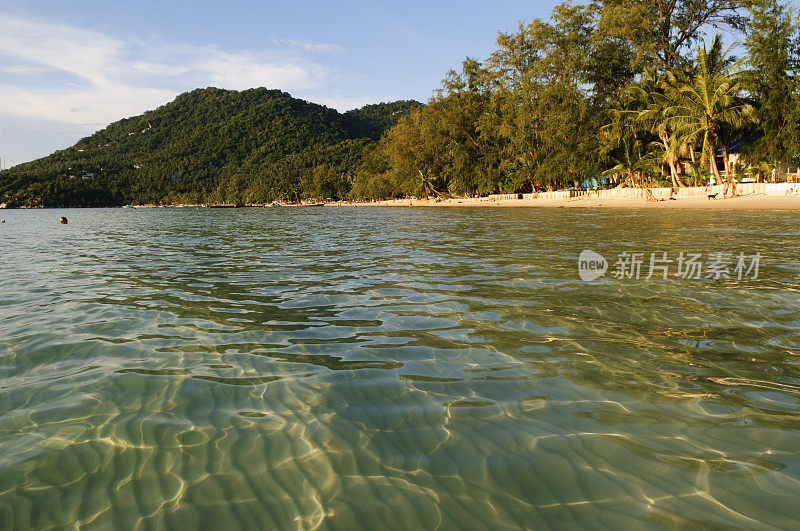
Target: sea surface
{"x":370,"y":368}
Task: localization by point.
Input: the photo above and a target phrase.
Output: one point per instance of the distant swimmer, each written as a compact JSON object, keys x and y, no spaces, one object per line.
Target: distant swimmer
{"x":63,"y":220}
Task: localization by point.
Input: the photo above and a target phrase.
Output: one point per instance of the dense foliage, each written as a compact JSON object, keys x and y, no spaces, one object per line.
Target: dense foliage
{"x":634,"y":92}
{"x":209,"y":145}
{"x":629,"y":91}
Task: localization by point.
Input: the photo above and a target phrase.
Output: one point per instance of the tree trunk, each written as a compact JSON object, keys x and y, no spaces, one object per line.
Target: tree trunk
{"x":726,"y":160}
{"x":676,"y":182}
{"x":713,"y":158}
{"x":629,"y":179}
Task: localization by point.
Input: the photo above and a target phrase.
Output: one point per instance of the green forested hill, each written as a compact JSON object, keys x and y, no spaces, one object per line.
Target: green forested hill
{"x":209,"y":145}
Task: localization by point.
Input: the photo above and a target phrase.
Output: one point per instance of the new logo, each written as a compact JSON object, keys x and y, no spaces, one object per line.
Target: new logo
{"x":591,"y":266}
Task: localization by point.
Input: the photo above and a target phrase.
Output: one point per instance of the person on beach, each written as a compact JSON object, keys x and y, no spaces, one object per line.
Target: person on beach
{"x":725,"y":190}
{"x":733,"y":187}
{"x":651,"y":198}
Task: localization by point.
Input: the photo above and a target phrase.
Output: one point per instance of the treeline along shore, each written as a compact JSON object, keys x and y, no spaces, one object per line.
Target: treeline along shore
{"x":611,"y":94}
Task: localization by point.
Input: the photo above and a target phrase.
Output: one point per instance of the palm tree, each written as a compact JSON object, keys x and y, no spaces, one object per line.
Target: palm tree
{"x":423,"y":185}
{"x":654,"y":94}
{"x":631,"y":142}
{"x":631,"y":163}
{"x":698,"y":108}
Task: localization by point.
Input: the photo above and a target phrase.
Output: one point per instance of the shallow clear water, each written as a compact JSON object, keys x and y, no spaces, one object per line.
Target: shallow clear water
{"x":366,"y":368}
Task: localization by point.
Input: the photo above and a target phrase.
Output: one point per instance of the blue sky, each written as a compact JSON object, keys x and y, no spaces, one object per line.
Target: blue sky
{"x":68,"y":68}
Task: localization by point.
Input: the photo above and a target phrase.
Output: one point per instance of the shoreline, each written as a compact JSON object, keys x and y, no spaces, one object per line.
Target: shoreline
{"x":743,"y":202}
{"x":755,"y":201}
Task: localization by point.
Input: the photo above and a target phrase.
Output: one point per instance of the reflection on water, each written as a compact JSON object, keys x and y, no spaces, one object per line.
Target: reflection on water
{"x":345,"y":368}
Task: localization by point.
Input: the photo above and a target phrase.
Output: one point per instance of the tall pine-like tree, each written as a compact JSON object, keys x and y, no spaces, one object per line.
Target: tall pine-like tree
{"x":772,"y":81}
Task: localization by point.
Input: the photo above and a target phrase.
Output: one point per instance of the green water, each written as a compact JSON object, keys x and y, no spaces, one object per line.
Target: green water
{"x":394,"y":368}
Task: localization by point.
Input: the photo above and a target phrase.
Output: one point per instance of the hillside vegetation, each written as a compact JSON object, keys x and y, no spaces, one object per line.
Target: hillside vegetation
{"x":208,"y":145}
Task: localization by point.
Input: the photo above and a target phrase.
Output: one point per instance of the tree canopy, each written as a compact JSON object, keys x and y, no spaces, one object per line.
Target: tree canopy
{"x":636,"y":92}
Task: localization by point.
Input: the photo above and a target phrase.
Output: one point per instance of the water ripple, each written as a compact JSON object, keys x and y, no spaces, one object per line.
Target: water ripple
{"x":370,"y":368}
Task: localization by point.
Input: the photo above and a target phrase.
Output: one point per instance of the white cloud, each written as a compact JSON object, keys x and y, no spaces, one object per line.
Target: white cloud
{"x":156,"y":69}
{"x":243,"y":70}
{"x":90,"y":105}
{"x":73,"y":50}
{"x":343,"y":103}
{"x":309,"y":46}
{"x":18,"y":70}
{"x":103,"y":78}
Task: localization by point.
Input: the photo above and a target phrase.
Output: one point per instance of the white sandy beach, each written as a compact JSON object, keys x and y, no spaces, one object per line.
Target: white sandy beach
{"x":744,"y":202}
